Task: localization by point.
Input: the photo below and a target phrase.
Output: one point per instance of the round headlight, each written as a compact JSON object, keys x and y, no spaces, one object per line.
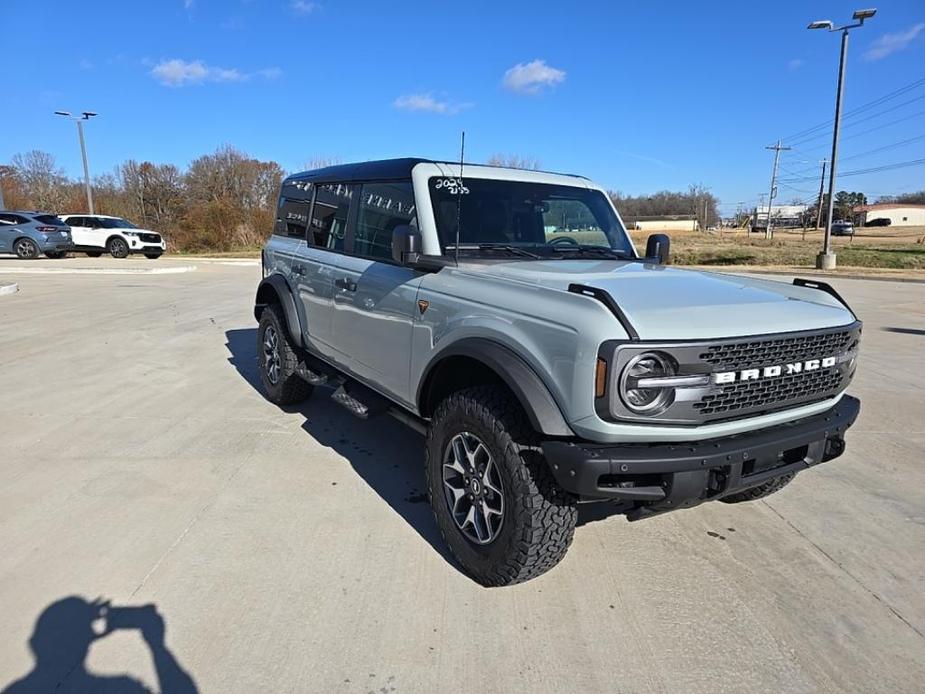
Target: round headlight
{"x":649,"y":400}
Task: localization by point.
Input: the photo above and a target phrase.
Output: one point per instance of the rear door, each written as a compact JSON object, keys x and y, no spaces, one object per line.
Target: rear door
{"x":327,"y":233}
{"x":375,"y":299}
{"x":80,"y":234}
{"x":8,"y":230}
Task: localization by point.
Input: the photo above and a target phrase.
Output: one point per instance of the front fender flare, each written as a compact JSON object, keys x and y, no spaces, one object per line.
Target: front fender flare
{"x":276,"y":285}
{"x":541,"y":408}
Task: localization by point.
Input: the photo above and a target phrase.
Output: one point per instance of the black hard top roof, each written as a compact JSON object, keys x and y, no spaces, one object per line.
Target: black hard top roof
{"x":383,"y":169}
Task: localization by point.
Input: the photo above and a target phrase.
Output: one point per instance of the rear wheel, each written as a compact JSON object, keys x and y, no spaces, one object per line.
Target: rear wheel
{"x":278,"y":360}
{"x":117,"y":247}
{"x":25,"y":249}
{"x":775,"y":484}
{"x":56,"y":255}
{"x":495,"y":501}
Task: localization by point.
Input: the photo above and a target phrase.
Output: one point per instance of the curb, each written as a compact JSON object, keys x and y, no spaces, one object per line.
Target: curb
{"x":11,"y":288}
{"x":96,"y":271}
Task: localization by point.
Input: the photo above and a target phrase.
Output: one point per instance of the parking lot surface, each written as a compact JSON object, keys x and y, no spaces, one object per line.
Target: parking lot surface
{"x":294,"y":550}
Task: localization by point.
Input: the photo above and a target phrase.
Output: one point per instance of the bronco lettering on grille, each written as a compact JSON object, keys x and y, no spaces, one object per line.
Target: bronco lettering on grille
{"x":723,"y":377}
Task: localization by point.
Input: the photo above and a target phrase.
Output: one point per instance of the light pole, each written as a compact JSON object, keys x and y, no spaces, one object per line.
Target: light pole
{"x":86,"y":115}
{"x":826,"y":259}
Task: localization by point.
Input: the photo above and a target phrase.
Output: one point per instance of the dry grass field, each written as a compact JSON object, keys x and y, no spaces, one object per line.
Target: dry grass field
{"x":900,"y":248}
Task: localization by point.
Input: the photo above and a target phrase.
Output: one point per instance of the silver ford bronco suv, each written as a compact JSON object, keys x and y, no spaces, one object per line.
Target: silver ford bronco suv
{"x":506,"y":315}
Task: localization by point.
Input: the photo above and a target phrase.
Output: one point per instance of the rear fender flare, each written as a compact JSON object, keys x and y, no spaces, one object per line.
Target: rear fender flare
{"x":275,"y":289}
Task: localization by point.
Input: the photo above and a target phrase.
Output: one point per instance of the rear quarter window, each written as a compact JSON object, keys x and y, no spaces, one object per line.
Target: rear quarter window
{"x":50,"y":219}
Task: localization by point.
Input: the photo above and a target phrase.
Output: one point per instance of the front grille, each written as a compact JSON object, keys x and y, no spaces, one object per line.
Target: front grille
{"x":742,"y":355}
{"x":150,"y":238}
{"x":771,"y":393}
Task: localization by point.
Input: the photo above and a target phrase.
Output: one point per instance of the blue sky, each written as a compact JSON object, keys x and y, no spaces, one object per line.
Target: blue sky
{"x":638,"y":96}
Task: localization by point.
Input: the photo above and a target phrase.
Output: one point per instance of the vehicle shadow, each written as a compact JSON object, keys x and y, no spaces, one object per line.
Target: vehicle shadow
{"x":386,"y":454}
{"x":905,"y":331}
{"x":62,"y":637}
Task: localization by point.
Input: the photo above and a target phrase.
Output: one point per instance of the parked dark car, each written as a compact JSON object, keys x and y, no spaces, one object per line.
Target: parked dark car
{"x":30,"y":234}
{"x":879,"y":222}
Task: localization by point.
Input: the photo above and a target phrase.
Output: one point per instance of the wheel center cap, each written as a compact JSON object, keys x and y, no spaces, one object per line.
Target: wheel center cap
{"x":475,"y":487}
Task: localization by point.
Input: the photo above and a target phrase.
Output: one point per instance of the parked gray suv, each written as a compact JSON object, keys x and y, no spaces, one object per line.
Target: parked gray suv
{"x":30,"y":234}
{"x":507,"y":316}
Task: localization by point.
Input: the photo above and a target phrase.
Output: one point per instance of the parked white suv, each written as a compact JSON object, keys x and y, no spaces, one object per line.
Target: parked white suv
{"x":99,"y":233}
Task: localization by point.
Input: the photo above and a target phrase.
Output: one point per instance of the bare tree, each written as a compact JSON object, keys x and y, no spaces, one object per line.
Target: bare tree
{"x":321,"y":162}
{"x":514,"y":161}
{"x":42,"y":178}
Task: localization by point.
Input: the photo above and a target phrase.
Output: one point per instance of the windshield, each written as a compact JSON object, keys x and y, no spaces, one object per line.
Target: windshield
{"x":525,"y":218}
{"x":115,"y":223}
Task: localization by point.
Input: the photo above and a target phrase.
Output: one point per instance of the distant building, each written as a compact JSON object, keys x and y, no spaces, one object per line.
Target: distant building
{"x":667,"y":224}
{"x":900,"y":215}
{"x":783,"y":215}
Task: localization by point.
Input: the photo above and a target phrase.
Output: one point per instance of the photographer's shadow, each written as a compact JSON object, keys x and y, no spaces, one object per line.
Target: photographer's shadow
{"x":386,"y":454}
{"x":61,"y":640}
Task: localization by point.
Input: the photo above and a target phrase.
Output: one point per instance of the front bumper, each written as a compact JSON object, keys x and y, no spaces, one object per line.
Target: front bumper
{"x":665,"y":476}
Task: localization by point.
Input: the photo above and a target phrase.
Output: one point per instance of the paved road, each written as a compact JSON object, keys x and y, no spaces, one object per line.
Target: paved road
{"x":291,"y":551}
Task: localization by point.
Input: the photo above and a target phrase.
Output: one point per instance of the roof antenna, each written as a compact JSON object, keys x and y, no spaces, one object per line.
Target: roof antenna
{"x":462,"y":156}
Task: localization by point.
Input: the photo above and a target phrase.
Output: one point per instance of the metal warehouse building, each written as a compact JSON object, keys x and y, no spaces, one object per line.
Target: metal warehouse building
{"x":899,"y":215}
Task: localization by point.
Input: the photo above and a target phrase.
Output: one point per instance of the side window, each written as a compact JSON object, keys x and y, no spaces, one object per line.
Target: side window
{"x":6,"y":219}
{"x":329,"y":215}
{"x":383,"y":206}
{"x":292,"y":218}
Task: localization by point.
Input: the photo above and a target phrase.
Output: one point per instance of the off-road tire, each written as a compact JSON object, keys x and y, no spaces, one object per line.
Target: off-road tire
{"x":94,"y":254}
{"x":539,"y":517}
{"x":290,"y":388}
{"x":26,"y":249}
{"x":775,"y":484}
{"x":117,"y":247}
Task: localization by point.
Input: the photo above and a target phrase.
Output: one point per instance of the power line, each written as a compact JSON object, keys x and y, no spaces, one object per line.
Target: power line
{"x":872,"y":169}
{"x":885,"y":147}
{"x":860,"y":109}
{"x":862,"y":120}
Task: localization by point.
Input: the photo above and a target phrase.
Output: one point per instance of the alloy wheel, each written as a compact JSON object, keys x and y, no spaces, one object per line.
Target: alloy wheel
{"x":473,"y":489}
{"x":271,"y":360}
{"x":26,"y":250}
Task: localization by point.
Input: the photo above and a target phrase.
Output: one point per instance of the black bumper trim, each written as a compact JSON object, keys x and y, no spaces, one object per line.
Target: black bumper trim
{"x":674,"y":475}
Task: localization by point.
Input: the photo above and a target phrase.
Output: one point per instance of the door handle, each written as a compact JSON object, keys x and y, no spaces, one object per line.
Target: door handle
{"x":345,"y":284}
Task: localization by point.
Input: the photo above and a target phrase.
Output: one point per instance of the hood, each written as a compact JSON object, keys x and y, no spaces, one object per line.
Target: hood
{"x":664,"y":303}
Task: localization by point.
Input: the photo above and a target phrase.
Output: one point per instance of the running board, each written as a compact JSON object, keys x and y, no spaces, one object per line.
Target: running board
{"x":360,"y":402}
{"x":316,"y":378}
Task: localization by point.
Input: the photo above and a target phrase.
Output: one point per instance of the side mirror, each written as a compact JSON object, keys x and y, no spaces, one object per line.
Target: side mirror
{"x":658,"y":247}
{"x":406,"y":243}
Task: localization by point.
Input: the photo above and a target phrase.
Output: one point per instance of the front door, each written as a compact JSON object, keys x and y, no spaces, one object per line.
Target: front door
{"x":375,"y":300}
{"x":81,"y":233}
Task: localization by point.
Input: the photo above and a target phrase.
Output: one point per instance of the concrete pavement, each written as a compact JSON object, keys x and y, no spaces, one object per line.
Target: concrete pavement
{"x":293,"y":551}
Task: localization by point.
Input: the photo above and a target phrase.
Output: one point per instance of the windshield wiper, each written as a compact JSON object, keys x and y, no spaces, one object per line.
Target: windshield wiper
{"x":513,"y":250}
{"x":594,"y":250}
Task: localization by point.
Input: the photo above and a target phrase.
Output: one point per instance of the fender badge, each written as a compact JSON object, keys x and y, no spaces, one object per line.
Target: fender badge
{"x":423,"y":305}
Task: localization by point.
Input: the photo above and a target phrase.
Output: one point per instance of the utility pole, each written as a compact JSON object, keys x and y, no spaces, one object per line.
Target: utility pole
{"x":821,"y":188}
{"x":777,"y":150}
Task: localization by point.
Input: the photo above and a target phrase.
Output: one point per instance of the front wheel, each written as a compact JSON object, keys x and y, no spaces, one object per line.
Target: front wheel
{"x":495,"y":501}
{"x":117,"y":247}
{"x":152,"y":256}
{"x":775,"y":484}
{"x":25,"y":249}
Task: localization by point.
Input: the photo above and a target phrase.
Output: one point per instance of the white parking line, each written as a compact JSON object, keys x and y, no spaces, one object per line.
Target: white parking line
{"x":96,"y":271}
{"x":8,"y":288}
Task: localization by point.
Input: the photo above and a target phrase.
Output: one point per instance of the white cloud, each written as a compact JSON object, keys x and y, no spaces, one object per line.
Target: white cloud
{"x":531,"y":78}
{"x":304,"y":6}
{"x":182,"y":73}
{"x":893,"y":43}
{"x":795,"y":64}
{"x":427,"y":103}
